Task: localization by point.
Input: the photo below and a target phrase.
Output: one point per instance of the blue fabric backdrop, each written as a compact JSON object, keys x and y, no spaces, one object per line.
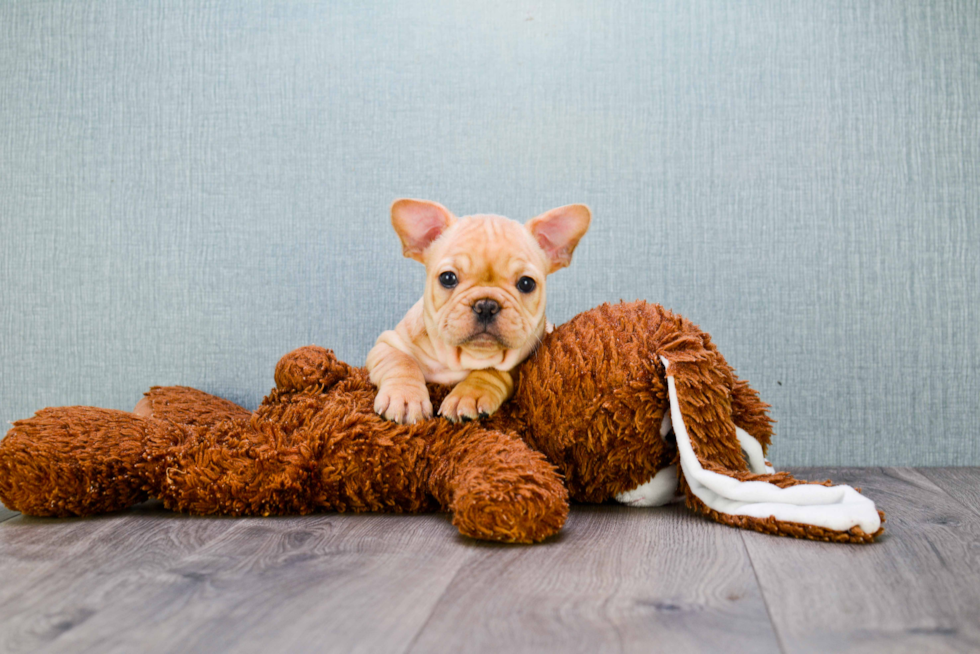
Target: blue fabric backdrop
{"x":190,"y":189}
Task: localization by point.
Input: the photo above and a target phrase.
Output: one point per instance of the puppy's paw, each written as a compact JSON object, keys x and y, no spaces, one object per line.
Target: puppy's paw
{"x":403,"y":404}
{"x":469,"y":402}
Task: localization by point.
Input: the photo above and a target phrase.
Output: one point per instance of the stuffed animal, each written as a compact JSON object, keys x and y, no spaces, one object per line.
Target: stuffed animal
{"x":627,"y":403}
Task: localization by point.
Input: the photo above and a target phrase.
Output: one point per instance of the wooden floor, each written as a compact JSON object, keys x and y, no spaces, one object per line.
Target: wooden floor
{"x":616,"y":579}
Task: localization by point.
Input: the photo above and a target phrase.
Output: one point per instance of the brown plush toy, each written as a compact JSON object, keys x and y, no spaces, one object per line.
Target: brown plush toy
{"x":627,"y":402}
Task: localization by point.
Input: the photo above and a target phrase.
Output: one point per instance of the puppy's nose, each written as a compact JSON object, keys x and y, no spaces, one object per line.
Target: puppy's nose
{"x":485,"y":310}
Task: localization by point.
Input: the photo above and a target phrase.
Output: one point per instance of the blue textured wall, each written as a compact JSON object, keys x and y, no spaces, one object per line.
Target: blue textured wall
{"x":189,"y":190}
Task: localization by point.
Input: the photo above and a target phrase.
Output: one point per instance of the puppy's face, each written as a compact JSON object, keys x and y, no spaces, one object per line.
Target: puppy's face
{"x":485,"y":285}
{"x":485,"y":275}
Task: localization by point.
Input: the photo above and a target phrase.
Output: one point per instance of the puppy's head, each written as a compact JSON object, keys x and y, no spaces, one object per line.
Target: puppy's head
{"x":485,"y":274}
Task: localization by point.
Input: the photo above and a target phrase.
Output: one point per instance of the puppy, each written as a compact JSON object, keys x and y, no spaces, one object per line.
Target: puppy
{"x":482,"y":311}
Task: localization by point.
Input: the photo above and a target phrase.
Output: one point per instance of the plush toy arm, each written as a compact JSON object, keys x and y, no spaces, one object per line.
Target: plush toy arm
{"x":309,"y":366}
{"x":497,"y":488}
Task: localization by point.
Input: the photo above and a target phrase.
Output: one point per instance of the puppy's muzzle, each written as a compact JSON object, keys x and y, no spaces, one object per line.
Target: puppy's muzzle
{"x":486,"y":310}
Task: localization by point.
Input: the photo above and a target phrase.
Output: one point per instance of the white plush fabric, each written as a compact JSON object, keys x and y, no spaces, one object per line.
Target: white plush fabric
{"x":753,"y":453}
{"x":660,"y":490}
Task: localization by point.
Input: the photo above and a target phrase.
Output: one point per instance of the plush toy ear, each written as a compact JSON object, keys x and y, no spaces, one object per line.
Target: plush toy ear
{"x":419,"y":223}
{"x":558,"y":232}
{"x":757,"y":497}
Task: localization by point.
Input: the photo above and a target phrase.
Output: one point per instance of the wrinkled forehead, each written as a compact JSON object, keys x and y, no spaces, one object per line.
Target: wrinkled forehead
{"x":486,"y":240}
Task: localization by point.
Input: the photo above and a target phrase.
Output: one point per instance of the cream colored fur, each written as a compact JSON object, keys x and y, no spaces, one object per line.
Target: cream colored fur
{"x":443,"y":337}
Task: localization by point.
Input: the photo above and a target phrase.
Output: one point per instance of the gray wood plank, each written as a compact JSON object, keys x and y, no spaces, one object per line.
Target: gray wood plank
{"x":343,"y":583}
{"x":6,"y":514}
{"x":616,"y":579}
{"x":963,"y":484}
{"x":32,"y":549}
{"x":916,"y":590}
{"x":351,"y":583}
{"x":59,"y":574}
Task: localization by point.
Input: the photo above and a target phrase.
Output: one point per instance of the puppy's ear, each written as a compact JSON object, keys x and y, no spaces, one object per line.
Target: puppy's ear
{"x":558,"y":232}
{"x":418,"y":223}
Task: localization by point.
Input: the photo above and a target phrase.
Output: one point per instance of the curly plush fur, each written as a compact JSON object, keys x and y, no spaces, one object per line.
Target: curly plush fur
{"x":587,"y":409}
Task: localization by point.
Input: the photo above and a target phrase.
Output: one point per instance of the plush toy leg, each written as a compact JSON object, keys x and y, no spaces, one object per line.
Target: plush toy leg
{"x":771,"y":503}
{"x":73,"y":461}
{"x":661,"y":488}
{"x":497,"y":488}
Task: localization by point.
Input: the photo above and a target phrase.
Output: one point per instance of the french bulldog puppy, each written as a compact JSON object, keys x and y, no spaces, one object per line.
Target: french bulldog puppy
{"x":482,"y":312}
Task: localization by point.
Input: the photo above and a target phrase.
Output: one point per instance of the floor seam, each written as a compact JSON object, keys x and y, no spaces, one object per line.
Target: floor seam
{"x":435,"y":605}
{"x":762,"y":593}
{"x":968,"y":507}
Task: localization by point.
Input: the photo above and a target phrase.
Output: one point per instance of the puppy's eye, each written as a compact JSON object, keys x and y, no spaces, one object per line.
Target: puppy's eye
{"x":526,"y":284}
{"x":448,"y":279}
